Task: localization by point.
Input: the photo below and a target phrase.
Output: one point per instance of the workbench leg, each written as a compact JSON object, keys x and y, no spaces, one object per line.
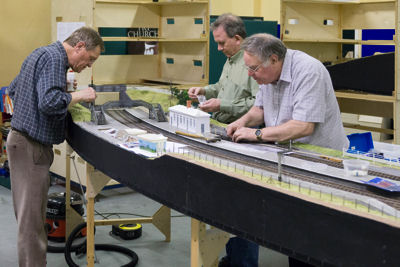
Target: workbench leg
{"x":90,"y":232}
{"x":72,"y":217}
{"x":94,"y":184}
{"x":90,"y":196}
{"x":206,"y":244}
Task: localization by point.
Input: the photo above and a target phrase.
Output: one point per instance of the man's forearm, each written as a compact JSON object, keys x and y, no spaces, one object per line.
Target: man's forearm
{"x":254,"y":117}
{"x":238,"y":107}
{"x":290,"y":130}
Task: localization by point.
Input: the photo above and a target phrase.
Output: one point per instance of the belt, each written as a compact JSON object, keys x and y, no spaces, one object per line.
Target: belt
{"x":23,"y":134}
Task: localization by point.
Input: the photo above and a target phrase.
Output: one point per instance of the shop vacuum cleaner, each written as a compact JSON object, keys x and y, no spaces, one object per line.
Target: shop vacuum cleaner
{"x":56,"y":226}
{"x":55,"y":215}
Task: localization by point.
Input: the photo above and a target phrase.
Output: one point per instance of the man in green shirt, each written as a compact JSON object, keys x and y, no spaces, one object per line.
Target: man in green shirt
{"x":229,"y":99}
{"x":235,"y":92}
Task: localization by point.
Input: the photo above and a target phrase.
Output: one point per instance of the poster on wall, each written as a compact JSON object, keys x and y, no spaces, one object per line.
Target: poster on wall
{"x":64,"y":29}
{"x":135,"y":46}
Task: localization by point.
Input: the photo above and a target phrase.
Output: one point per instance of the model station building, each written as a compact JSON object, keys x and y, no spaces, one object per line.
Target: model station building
{"x":189,"y":119}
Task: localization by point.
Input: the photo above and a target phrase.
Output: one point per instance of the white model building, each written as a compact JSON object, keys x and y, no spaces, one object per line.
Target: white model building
{"x":189,"y":119}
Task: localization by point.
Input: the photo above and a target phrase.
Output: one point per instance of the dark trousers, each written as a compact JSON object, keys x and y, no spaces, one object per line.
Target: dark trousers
{"x":29,"y":163}
{"x":296,"y":263}
{"x":242,"y":252}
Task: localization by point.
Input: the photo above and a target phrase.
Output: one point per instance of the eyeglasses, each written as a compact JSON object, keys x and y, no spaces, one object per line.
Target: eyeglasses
{"x":253,"y":69}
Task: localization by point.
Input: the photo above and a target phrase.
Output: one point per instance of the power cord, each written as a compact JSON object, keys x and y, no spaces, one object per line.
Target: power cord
{"x":82,"y":249}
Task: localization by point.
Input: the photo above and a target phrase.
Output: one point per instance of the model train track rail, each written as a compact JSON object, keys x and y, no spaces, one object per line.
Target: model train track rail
{"x":328,"y":162}
{"x":129,"y":120}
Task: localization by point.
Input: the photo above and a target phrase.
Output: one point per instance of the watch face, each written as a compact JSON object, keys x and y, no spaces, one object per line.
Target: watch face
{"x":258,"y":133}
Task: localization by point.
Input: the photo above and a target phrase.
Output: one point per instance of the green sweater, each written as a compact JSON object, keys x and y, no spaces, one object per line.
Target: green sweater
{"x":235,"y":88}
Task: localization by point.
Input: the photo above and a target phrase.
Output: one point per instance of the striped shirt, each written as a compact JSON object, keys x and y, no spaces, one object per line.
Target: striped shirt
{"x":304,"y":92}
{"x":39,"y":95}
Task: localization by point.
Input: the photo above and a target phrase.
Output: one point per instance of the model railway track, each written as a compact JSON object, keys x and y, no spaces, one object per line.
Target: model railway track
{"x":340,"y":165}
{"x":129,"y":120}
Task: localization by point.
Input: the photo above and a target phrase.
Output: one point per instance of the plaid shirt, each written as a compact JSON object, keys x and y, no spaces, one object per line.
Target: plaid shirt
{"x":39,"y":95}
{"x":304,"y":92}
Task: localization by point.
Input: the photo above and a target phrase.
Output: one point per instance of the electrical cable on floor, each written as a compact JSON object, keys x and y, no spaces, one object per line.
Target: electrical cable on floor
{"x":83,"y":249}
{"x":107,"y":247}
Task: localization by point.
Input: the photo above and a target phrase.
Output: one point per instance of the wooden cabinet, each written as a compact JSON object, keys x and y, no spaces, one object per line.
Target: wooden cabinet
{"x":179,"y":28}
{"x":317,"y":27}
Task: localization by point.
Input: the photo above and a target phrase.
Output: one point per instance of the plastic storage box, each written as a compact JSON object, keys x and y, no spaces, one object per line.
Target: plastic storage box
{"x":355,"y":167}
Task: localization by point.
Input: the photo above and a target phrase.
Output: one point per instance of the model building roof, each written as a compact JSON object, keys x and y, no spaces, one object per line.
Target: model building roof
{"x":189,"y":111}
{"x":152,"y":137}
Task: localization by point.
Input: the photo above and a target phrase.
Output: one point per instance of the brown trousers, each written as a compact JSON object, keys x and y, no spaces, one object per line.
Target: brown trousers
{"x":29,"y":163}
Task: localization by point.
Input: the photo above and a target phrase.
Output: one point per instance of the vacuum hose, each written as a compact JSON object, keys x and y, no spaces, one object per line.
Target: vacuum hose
{"x":61,"y":249}
{"x":81,"y":248}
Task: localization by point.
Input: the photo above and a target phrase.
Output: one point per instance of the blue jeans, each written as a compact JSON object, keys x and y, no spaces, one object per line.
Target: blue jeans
{"x":242,"y":252}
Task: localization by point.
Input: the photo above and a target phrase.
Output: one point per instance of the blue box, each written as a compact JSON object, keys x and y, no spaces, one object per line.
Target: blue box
{"x":361,"y":141}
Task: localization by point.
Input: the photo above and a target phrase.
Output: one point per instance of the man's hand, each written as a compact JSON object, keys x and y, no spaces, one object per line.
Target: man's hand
{"x":85,"y":95}
{"x":233,"y":127}
{"x":211,"y":105}
{"x":244,"y":133}
{"x":194,"y":91}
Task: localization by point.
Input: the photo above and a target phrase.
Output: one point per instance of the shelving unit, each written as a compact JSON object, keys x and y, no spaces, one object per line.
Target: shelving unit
{"x":183,"y":36}
{"x":183,"y":46}
{"x":183,"y":39}
{"x":316,"y":27}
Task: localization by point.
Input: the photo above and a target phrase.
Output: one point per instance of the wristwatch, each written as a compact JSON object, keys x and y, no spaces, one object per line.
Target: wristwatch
{"x":258,"y":134}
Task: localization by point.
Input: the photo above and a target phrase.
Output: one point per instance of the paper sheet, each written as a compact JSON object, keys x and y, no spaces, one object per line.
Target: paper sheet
{"x":64,"y":29}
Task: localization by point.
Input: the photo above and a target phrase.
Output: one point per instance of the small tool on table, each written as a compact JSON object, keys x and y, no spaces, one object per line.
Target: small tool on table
{"x":211,"y":138}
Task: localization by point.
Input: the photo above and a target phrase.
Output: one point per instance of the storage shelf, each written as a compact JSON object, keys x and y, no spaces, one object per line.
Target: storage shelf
{"x":181,"y":29}
{"x":368,"y":128}
{"x":339,"y":2}
{"x":340,"y":41}
{"x":310,"y":34}
{"x":167,"y":81}
{"x":182,"y":41}
{"x":161,"y":3}
{"x":136,"y":39}
{"x":365,"y":96}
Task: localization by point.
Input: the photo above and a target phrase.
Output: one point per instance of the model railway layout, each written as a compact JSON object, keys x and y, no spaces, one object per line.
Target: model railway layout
{"x":309,"y":214}
{"x":391,"y":200}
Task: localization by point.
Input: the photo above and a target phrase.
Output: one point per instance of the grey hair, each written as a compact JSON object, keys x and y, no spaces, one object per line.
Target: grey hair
{"x":88,"y":35}
{"x":263,"y":45}
{"x":232,"y":24}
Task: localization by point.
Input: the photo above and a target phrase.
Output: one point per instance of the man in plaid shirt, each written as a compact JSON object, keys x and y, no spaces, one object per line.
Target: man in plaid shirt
{"x":40,"y":109}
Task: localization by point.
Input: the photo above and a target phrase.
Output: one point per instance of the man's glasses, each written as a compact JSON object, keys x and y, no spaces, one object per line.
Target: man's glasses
{"x":253,"y":69}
